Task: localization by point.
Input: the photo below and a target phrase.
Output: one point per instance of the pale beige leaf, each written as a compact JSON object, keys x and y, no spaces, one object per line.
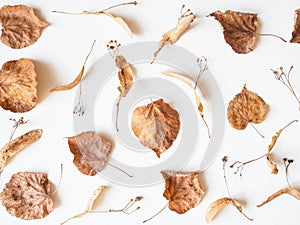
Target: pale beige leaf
{"x":121,"y":22}
{"x":90,"y":204}
{"x":27,"y":196}
{"x":172,"y":36}
{"x":156,"y":125}
{"x":290,"y":191}
{"x":183,"y":190}
{"x":20,"y":26}
{"x":18,"y":85}
{"x":18,"y":144}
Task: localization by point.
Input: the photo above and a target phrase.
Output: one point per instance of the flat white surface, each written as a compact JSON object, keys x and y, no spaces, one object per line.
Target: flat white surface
{"x":58,"y":56}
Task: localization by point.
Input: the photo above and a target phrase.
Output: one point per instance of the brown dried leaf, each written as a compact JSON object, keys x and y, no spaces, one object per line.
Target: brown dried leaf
{"x":290,"y":191}
{"x":18,"y":86}
{"x":239,"y":29}
{"x":156,"y":125}
{"x":27,"y":196}
{"x":246,"y":107}
{"x":197,"y":97}
{"x":217,"y":206}
{"x":90,"y":204}
{"x":183,"y":190}
{"x":296,"y":31}
{"x":125,"y":75}
{"x":18,"y":144}
{"x":272,"y":165}
{"x":172,"y":36}
{"x":78,"y":77}
{"x":90,"y":152}
{"x":20,"y":26}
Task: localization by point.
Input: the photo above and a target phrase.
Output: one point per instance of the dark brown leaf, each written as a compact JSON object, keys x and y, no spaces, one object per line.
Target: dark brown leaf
{"x":18,"y":86}
{"x":27,"y":196}
{"x":90,"y":152}
{"x":20,"y":26}
{"x":183,"y":190}
{"x":239,"y":29}
{"x":296,"y":31}
{"x":156,"y":125}
{"x":246,"y":107}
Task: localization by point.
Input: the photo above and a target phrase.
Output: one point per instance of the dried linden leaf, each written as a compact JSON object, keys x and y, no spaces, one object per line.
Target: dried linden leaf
{"x":246,"y":107}
{"x":172,"y":36}
{"x":90,"y":152}
{"x":27,"y":196}
{"x":20,"y":26}
{"x":296,"y":31}
{"x":125,"y":75}
{"x":240,"y":29}
{"x":290,"y":191}
{"x":156,"y":125}
{"x":217,"y":206}
{"x":183,"y":190}
{"x":18,"y":144}
{"x":90,"y":204}
{"x":18,"y":86}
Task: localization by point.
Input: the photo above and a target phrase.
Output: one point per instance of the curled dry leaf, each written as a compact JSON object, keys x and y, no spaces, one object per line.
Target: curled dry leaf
{"x":290,"y":191}
{"x":183,"y":190}
{"x":18,"y":144}
{"x":239,"y":29}
{"x":27,"y":196}
{"x":90,"y":204}
{"x":217,"y":206}
{"x":20,"y":26}
{"x":187,"y":81}
{"x":78,"y":77}
{"x":172,"y":36}
{"x":246,"y":107}
{"x":156,"y":125}
{"x":121,"y":22}
{"x":296,"y":31}
{"x":18,"y":86}
{"x":90,"y":152}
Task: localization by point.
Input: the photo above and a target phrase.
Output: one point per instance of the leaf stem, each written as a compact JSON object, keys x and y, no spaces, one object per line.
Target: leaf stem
{"x":260,"y":134}
{"x":121,"y":4}
{"x":60,"y":179}
{"x":156,"y":214}
{"x":119,"y":169}
{"x":272,"y":35}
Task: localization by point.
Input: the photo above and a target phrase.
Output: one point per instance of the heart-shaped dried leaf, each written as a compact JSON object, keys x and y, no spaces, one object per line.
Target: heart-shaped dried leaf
{"x":18,"y":144}
{"x":246,"y":107}
{"x":290,"y":191}
{"x":296,"y":31}
{"x":156,"y":125}
{"x":90,"y":152}
{"x":217,"y":206}
{"x":20,"y":26}
{"x":239,"y":29}
{"x":18,"y":86}
{"x":183,"y":190}
{"x":27,"y":196}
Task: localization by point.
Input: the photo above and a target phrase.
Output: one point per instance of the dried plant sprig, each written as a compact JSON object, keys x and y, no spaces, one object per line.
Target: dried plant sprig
{"x":287,"y":162}
{"x":17,"y":124}
{"x":215,"y":207}
{"x":239,"y":166}
{"x":284,"y":78}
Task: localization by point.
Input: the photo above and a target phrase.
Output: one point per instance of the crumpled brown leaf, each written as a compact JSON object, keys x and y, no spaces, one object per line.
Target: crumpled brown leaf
{"x":90,"y":152}
{"x":290,"y":191}
{"x":296,"y":31}
{"x":239,"y":29}
{"x":18,"y":86}
{"x":172,"y":36}
{"x":183,"y":190}
{"x":20,"y":26}
{"x":246,"y":107}
{"x":125,"y":75}
{"x":156,"y":125}
{"x":90,"y":204}
{"x":18,"y":144}
{"x":27,"y":196}
{"x":217,"y":206}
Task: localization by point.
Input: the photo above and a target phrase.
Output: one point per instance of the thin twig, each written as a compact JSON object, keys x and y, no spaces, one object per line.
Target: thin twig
{"x":240,"y":165}
{"x":287,"y":163}
{"x":156,"y":214}
{"x":17,"y":124}
{"x":60,"y":179}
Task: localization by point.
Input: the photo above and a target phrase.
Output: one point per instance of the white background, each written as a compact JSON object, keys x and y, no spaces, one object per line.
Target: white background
{"x":58,"y":56}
